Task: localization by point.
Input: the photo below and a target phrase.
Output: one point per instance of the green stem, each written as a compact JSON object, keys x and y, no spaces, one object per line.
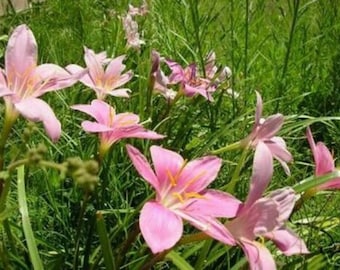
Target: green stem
{"x":105,"y":242}
{"x":26,"y":224}
{"x":10,"y":118}
{"x":230,"y":187}
{"x":233,"y":146}
{"x":79,"y":228}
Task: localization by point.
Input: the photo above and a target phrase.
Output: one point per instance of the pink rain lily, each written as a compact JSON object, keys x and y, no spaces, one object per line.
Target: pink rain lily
{"x":131,"y":32}
{"x":161,"y":81}
{"x":140,"y":11}
{"x":324,"y":162}
{"x":264,"y":131}
{"x":23,"y":81}
{"x":189,"y":81}
{"x":265,"y":217}
{"x":111,"y":126}
{"x":181,"y":194}
{"x":103,"y":80}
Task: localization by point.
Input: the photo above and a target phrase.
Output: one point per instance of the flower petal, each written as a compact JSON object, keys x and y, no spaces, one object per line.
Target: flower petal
{"x":94,"y":127}
{"x":209,"y":225}
{"x":38,"y":110}
{"x":21,"y":52}
{"x":98,"y":109}
{"x":123,"y":92}
{"x":199,"y":173}
{"x":142,"y":166}
{"x":96,"y":69}
{"x":85,"y":79}
{"x":215,"y":203}
{"x":167,"y":164}
{"x":288,"y":242}
{"x":258,"y":255}
{"x":262,"y":173}
{"x":160,"y":227}
{"x":325,"y":162}
{"x":270,"y":126}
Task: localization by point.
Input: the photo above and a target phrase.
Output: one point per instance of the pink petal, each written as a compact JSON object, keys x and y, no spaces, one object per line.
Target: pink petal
{"x":258,"y":255}
{"x":262,"y":173}
{"x":216,"y":204}
{"x":277,"y":147}
{"x":288,"y":242}
{"x":98,"y":109}
{"x":38,"y":110}
{"x":270,"y":126}
{"x":177,"y":74}
{"x":285,"y":198}
{"x":115,"y":67}
{"x":85,"y":79}
{"x":259,"y":108}
{"x":144,"y":134}
{"x":123,"y":79}
{"x":208,"y":225}
{"x":199,"y":173}
{"x":325,"y":163}
{"x":21,"y":52}
{"x":160,"y":227}
{"x":166,"y":163}
{"x":331,"y":184}
{"x":124,"y":92}
{"x":96,"y":69}
{"x":94,"y":127}
{"x":142,"y":166}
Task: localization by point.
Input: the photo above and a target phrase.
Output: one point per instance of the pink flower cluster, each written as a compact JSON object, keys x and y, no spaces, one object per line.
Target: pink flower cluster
{"x":181,"y":186}
{"x":189,"y":81}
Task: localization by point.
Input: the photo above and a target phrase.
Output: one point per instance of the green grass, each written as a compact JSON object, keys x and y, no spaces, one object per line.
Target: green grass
{"x":287,"y":50}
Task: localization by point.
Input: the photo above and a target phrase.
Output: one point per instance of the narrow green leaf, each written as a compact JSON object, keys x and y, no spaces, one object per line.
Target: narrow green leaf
{"x":181,"y":263}
{"x":26,"y":224}
{"x":314,"y":181}
{"x":105,"y":242}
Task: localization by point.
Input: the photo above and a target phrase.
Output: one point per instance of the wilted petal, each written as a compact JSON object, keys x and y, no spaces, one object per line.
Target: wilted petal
{"x":216,"y":204}
{"x":142,"y":166}
{"x":21,"y":52}
{"x":38,"y":110}
{"x":160,"y":227}
{"x":288,"y":242}
{"x":285,"y":198}
{"x":199,"y":173}
{"x":258,"y":255}
{"x":262,"y":173}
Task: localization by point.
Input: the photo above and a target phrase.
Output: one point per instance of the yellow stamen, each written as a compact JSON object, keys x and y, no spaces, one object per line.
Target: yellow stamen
{"x":261,"y":240}
{"x":189,"y":195}
{"x":172,"y":179}
{"x":178,"y":196}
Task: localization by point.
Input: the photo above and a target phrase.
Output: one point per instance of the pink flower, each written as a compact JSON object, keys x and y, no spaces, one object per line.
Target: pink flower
{"x":190,"y":83}
{"x":264,"y":131}
{"x":265,"y":217}
{"x":131,"y":32}
{"x":111,"y":126}
{"x":161,"y":81}
{"x":23,"y":81}
{"x":324,"y":162}
{"x":211,"y":70}
{"x":181,"y":194}
{"x":103,"y":81}
{"x":141,"y":11}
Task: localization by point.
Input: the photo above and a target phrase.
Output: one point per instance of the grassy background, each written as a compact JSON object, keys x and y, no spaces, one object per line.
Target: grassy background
{"x":287,"y":50}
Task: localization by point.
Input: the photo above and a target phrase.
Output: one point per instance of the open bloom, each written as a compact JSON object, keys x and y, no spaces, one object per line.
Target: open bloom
{"x":160,"y":81}
{"x":103,"y":81}
{"x":324,"y":162}
{"x":191,"y":84}
{"x":111,"y":126}
{"x":23,"y":81}
{"x":141,"y":11}
{"x":264,"y":131}
{"x":181,"y":194}
{"x":265,"y":217}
